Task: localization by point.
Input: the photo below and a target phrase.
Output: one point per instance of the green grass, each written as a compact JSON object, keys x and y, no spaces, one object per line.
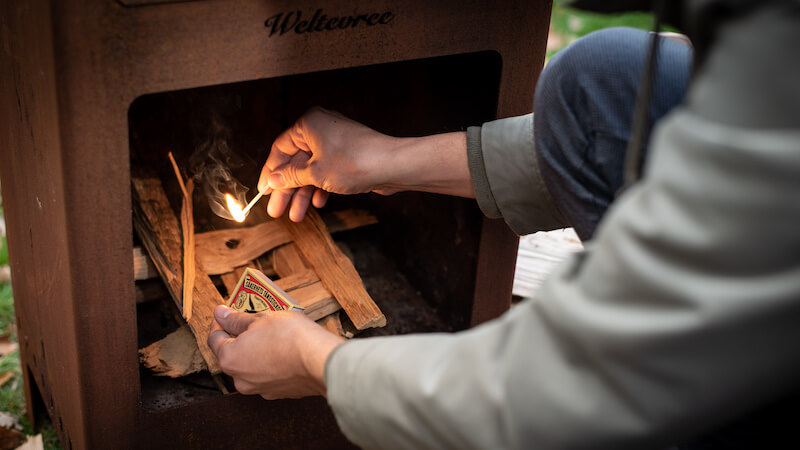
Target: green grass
{"x":567,"y":24}
{"x":4,"y":253}
{"x":12,"y":394}
{"x":12,"y":399}
{"x":6,"y":309}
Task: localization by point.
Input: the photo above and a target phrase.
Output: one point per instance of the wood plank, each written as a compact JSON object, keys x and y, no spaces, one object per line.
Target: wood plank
{"x":317,"y":301}
{"x":334,"y":269}
{"x":348,"y":219}
{"x":220,"y":251}
{"x":297,"y":280}
{"x":157,"y":227}
{"x":143,"y":268}
{"x":286,"y":260}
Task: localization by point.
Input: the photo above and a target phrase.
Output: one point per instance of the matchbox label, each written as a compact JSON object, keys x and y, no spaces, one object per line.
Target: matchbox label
{"x":255,"y":292}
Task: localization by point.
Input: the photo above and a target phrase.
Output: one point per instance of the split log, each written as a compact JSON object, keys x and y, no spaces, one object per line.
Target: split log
{"x":334,"y":269}
{"x":158,"y":230}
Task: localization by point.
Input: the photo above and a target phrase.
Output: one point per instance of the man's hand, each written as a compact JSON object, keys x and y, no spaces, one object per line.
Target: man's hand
{"x":273,"y":354}
{"x":325,"y":152}
{"x":322,"y":152}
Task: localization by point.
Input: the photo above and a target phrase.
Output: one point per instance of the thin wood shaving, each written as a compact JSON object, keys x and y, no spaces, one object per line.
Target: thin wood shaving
{"x":187,"y":227}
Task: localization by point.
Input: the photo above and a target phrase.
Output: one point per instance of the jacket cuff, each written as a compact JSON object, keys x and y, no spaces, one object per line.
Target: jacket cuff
{"x":508,"y":156}
{"x":477,"y":169}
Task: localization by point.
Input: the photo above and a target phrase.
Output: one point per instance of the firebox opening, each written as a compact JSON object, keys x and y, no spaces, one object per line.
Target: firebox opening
{"x":418,"y":262}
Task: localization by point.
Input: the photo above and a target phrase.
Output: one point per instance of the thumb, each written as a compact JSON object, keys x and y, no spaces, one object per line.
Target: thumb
{"x":234,"y":322}
{"x":292,"y":175}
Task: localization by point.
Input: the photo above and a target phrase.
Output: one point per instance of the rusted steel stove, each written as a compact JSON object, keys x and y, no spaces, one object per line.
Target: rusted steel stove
{"x":82,"y":79}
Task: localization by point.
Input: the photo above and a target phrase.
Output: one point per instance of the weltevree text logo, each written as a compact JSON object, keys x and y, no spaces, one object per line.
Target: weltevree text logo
{"x":296,"y":21}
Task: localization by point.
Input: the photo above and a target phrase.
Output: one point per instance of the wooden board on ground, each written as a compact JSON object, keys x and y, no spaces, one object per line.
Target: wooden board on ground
{"x":158,"y":230}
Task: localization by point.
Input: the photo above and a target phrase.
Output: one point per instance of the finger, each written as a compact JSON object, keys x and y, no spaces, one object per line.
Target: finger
{"x":217,"y":339}
{"x":278,"y":202}
{"x":263,"y":180}
{"x":320,"y":198}
{"x":244,"y":387}
{"x":234,"y":322}
{"x":295,"y":173}
{"x":286,"y":145}
{"x":300,"y":202}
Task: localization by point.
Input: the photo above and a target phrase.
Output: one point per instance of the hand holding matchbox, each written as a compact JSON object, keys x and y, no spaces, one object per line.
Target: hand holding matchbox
{"x":255,"y":292}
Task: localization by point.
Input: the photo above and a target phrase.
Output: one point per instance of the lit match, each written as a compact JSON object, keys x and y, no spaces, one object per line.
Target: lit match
{"x":235,"y":207}
{"x":252,"y":202}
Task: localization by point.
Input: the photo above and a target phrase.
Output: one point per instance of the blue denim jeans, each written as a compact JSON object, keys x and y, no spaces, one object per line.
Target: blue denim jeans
{"x":583,"y":111}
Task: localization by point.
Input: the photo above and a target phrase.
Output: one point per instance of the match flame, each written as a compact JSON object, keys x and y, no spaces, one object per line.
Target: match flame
{"x":235,"y":208}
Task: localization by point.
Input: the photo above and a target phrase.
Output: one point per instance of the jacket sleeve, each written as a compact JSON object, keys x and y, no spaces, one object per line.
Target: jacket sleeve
{"x":506,"y":178}
{"x":681,"y":314}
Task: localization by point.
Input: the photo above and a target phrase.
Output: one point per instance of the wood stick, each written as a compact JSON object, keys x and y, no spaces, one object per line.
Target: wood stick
{"x":335,"y":270}
{"x":157,"y":228}
{"x":187,"y":227}
{"x":178,"y":174}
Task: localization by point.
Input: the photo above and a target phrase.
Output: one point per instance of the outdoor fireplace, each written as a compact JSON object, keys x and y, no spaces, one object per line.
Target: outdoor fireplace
{"x":96,"y":91}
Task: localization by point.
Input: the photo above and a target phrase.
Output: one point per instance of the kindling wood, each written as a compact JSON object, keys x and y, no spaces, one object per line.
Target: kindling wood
{"x":334,"y":269}
{"x":157,"y":228}
{"x":222,"y":251}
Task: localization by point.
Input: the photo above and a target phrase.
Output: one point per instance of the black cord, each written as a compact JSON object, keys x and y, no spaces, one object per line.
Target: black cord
{"x":639,"y":128}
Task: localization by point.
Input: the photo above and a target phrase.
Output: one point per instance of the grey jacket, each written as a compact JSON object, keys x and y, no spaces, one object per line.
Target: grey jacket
{"x":682,"y":313}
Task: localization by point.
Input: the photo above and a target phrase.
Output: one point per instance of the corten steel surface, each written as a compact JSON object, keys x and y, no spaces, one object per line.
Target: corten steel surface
{"x":70,"y":70}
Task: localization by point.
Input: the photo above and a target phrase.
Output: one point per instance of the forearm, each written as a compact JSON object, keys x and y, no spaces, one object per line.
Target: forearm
{"x":436,"y":163}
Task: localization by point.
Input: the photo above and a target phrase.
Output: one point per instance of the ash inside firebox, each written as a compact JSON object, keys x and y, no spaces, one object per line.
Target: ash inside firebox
{"x":405,"y":309}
